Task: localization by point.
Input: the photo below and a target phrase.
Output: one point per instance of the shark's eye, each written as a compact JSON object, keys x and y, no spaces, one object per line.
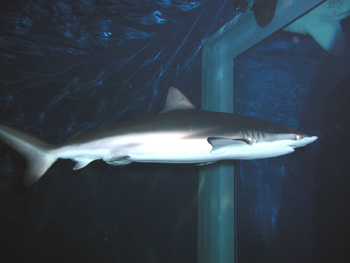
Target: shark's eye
{"x":298,"y":137}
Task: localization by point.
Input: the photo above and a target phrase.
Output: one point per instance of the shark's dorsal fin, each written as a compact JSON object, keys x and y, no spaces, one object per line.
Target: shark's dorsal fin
{"x":176,"y":100}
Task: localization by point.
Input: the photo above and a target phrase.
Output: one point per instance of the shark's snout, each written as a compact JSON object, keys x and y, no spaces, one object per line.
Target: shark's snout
{"x":303,"y":142}
{"x":311,"y":139}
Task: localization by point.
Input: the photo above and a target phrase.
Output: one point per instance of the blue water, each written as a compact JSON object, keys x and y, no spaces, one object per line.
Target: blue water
{"x":81,"y":65}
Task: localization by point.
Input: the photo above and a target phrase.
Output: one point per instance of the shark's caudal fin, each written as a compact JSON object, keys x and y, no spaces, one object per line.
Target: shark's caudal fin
{"x":34,"y":150}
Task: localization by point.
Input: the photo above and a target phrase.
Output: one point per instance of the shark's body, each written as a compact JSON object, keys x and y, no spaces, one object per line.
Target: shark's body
{"x":323,"y":24}
{"x":179,"y":134}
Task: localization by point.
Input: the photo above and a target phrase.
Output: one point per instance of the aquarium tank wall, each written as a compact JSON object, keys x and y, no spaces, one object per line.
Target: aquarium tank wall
{"x":71,"y":67}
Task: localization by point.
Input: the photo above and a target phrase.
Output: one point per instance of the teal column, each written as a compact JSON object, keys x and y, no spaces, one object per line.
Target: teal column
{"x":216,"y":191}
{"x":216,"y":211}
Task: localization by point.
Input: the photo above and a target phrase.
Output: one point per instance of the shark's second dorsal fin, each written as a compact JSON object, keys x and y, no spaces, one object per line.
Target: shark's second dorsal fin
{"x":176,"y":100}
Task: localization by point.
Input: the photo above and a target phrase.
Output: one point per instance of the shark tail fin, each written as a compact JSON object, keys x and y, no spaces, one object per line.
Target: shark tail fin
{"x":34,"y":150}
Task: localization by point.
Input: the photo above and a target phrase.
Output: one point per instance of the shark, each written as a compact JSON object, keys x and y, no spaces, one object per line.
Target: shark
{"x":323,"y":24}
{"x":179,"y":133}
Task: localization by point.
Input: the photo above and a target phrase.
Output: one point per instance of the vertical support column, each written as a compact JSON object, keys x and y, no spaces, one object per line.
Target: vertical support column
{"x":216,"y":191}
{"x":216,"y":211}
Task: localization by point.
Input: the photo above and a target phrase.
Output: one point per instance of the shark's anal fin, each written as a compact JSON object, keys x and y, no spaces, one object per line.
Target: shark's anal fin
{"x":329,"y":35}
{"x":220,"y":145}
{"x":81,"y":163}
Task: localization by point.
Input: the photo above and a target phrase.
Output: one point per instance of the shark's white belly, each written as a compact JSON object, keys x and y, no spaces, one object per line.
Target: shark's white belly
{"x":140,"y":148}
{"x":172,"y":151}
{"x":170,"y":148}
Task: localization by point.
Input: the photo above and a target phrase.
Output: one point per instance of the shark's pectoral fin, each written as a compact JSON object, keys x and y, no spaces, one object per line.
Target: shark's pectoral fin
{"x":118,"y":161}
{"x":329,"y":35}
{"x":220,"y":145}
{"x":81,"y":163}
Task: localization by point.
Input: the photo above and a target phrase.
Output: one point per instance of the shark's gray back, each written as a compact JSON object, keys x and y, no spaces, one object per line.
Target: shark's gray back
{"x":198,"y":123}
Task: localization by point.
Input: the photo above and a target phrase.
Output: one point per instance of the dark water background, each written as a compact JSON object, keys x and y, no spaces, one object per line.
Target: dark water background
{"x":81,"y":65}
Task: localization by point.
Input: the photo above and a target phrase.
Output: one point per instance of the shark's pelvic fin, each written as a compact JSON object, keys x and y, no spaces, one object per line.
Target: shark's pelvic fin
{"x":34,"y":150}
{"x":118,"y":161}
{"x":176,"y":100}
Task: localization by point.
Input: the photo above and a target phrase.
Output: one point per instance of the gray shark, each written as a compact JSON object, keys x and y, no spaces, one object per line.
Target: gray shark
{"x":178,"y":134}
{"x":323,"y":24}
